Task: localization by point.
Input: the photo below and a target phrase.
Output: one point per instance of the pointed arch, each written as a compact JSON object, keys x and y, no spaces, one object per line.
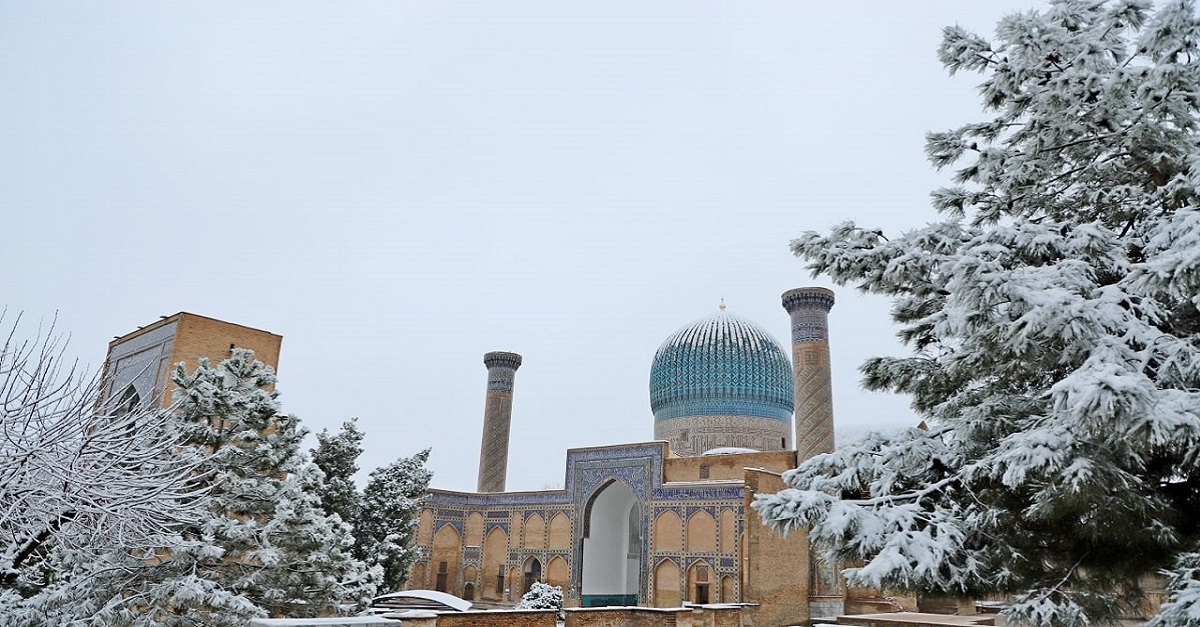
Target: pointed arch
{"x":534,"y":535}
{"x":668,"y":532}
{"x":533,"y":574}
{"x":728,"y":531}
{"x":667,"y":584}
{"x":701,"y":533}
{"x":559,"y":535}
{"x":514,"y":527}
{"x":495,"y":554}
{"x":558,"y":573}
{"x":416,"y":577}
{"x":700,"y":579}
{"x":514,"y":576}
{"x":473,"y":530}
{"x":728,"y":590}
{"x":425,"y":528}
{"x":447,"y":549}
{"x":613,"y":531}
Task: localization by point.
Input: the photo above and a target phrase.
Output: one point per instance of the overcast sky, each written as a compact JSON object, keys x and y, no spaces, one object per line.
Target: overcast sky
{"x":399,"y":187}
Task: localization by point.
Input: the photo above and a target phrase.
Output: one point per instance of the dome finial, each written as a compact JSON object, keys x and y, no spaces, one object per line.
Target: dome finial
{"x":722,"y":305}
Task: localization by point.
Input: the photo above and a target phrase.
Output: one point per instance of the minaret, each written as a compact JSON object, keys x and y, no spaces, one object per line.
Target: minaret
{"x":809,"y":308}
{"x":497,"y":416}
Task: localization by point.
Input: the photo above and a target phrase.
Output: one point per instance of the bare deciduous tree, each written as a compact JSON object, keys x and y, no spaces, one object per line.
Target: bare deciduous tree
{"x":75,"y":471}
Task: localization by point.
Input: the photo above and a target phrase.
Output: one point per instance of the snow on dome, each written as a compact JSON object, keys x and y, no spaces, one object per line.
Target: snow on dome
{"x":730,"y":450}
{"x":721,"y":365}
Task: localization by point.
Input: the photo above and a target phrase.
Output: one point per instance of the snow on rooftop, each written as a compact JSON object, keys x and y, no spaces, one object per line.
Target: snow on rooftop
{"x":729,"y":450}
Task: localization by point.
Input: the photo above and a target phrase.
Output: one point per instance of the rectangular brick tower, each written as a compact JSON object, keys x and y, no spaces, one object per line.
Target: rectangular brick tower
{"x":138,"y":366}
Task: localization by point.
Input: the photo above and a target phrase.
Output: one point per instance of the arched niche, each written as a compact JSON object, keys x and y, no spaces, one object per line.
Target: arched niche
{"x":559,"y":536}
{"x":612,"y":547}
{"x":473,"y":530}
{"x":668,"y":532}
{"x":728,"y":590}
{"x":667,"y":584}
{"x":515,"y":526}
{"x":514,"y":584}
{"x":728,"y":535}
{"x":701,"y":533}
{"x":534,"y":536}
{"x":495,"y":554}
{"x":416,"y":578}
{"x":700,"y":580}
{"x":444,"y":561}
{"x":532,"y":574}
{"x":558,"y":573}
{"x":425,"y":528}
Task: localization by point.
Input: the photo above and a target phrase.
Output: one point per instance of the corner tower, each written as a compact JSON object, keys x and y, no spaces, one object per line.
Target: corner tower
{"x":809,"y":309}
{"x":497,"y":418}
{"x":721,"y":382}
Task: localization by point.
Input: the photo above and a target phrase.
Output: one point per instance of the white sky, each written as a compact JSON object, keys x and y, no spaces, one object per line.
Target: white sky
{"x":398,"y":187}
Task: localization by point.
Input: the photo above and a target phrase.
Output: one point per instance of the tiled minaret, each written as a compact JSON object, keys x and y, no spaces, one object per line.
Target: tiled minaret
{"x":809,"y":308}
{"x":497,"y":417}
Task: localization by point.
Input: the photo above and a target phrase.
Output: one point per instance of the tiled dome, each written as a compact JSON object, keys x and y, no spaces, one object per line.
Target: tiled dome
{"x":721,"y":365}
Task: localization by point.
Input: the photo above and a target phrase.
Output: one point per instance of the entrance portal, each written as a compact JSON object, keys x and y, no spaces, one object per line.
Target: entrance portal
{"x":612,"y":548}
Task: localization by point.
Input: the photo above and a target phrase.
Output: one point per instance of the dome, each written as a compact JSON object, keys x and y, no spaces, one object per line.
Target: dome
{"x":722,"y":365}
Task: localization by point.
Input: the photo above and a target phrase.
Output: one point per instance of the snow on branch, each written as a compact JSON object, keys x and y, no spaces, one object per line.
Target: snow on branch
{"x":76,"y":472}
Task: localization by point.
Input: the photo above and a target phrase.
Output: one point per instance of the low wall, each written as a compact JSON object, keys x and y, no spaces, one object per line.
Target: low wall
{"x":495,"y":618}
{"x":693,"y":616}
{"x":718,"y":615}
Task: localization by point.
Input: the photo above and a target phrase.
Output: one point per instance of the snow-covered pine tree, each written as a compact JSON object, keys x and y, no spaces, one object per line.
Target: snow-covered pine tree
{"x":337,"y":456}
{"x":263,"y":547}
{"x":387,"y":521}
{"x":1054,"y":319}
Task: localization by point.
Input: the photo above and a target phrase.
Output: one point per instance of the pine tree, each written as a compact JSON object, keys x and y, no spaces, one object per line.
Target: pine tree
{"x":1055,"y":327}
{"x":264,"y":547}
{"x":337,"y":456}
{"x":387,"y":522}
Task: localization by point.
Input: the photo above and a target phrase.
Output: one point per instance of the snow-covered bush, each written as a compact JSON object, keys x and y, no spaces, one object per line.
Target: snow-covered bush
{"x":1054,"y":319}
{"x":542,"y":596}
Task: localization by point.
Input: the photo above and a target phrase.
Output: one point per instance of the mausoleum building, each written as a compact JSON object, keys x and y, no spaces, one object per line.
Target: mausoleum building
{"x":663,"y":522}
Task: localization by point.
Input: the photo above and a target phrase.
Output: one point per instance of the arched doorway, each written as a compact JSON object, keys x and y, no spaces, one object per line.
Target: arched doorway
{"x":533,"y":573}
{"x":612,"y":548}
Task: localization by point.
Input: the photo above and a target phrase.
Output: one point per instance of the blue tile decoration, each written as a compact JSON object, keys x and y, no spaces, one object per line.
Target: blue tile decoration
{"x":639,"y":467}
{"x":809,"y":310}
{"x":722,"y":365}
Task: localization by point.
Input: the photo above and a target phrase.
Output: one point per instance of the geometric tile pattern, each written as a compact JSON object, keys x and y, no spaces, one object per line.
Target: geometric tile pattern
{"x":809,"y":310}
{"x":497,"y":420}
{"x":722,"y":365}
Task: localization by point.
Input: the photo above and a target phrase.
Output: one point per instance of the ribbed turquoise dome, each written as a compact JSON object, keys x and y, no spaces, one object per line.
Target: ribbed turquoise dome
{"x":722,"y":365}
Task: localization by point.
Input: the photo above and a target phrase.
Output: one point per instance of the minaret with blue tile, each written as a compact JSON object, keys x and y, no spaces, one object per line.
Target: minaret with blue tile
{"x":809,"y":309}
{"x":497,"y":419}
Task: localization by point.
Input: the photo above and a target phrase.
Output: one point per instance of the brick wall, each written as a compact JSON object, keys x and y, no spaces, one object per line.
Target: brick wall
{"x":702,"y":616}
{"x":628,"y":617}
{"x":500,"y":618}
{"x":776,"y":576}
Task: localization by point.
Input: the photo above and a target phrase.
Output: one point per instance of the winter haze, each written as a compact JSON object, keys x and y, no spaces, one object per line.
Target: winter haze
{"x":399,"y":187}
